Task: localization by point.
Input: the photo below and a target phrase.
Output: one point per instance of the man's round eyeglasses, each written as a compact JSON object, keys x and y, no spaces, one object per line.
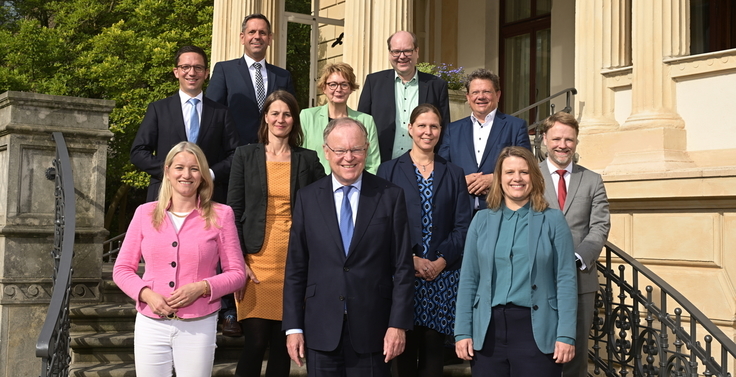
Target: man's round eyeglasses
{"x":341,"y":152}
{"x":397,"y":53}
{"x":187,"y":68}
{"x":335,"y":85}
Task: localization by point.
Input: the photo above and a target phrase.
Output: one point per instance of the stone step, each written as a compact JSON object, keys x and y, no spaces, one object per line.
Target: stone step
{"x":104,"y":317}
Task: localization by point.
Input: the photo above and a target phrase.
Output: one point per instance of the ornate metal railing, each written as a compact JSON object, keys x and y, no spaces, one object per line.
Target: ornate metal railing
{"x":53,"y":343}
{"x":534,"y":126}
{"x":634,"y":334}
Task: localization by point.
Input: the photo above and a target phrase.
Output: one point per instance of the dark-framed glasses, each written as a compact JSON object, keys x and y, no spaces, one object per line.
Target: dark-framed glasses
{"x":341,"y":85}
{"x":187,"y":68}
{"x":341,"y":152}
{"x":397,"y":53}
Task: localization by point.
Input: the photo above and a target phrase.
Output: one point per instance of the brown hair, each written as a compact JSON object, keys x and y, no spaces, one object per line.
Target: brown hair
{"x":561,"y":117}
{"x":255,"y":16}
{"x":536,"y":196}
{"x":482,"y":74}
{"x":424,"y":108}
{"x":204,"y":191}
{"x":344,"y":69}
{"x":296,"y":136}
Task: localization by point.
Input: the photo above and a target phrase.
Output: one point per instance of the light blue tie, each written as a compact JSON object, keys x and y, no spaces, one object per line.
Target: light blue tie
{"x":346,"y":219}
{"x":193,"y":121}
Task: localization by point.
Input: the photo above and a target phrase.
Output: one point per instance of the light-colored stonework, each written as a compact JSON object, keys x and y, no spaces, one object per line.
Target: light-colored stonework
{"x":656,"y":122}
{"x":27,"y":208}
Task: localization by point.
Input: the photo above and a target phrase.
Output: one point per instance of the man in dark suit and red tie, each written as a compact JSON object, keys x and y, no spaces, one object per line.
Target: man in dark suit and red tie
{"x":349,"y":283}
{"x":474,"y":143}
{"x":580,"y":195}
{"x":391,"y":95}
{"x":243,"y":84}
{"x":186,"y":116}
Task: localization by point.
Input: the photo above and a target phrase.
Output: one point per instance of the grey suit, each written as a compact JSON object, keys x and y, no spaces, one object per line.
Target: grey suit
{"x":586,"y":212}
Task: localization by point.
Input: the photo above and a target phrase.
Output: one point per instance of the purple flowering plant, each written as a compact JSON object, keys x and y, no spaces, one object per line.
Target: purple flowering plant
{"x":455,"y":77}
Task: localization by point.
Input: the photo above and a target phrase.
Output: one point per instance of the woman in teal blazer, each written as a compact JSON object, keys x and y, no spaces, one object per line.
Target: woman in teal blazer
{"x":517,"y":298}
{"x":337,"y":83}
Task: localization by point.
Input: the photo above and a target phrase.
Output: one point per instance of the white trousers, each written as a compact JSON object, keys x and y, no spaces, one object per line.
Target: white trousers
{"x":162,"y":345}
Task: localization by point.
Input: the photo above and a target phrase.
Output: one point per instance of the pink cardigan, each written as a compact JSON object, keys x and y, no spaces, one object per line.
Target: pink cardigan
{"x":173,"y":260}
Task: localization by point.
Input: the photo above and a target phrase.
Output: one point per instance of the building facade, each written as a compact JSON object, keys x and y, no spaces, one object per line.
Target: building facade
{"x":655,"y":79}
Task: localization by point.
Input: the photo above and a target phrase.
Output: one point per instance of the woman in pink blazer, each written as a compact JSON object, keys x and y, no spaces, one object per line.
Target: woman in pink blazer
{"x":181,"y":238}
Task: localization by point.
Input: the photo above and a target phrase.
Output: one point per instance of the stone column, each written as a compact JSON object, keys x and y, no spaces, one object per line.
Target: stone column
{"x":659,"y":30}
{"x":27,"y":207}
{"x":367,"y":26}
{"x":600,"y":36}
{"x":227,"y":22}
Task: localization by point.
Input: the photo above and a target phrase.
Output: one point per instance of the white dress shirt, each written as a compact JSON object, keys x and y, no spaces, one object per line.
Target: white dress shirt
{"x":249,"y":62}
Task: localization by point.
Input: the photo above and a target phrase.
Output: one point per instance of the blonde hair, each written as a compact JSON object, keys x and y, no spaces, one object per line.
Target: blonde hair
{"x":204,"y":191}
{"x":536,"y":196}
{"x":344,"y":69}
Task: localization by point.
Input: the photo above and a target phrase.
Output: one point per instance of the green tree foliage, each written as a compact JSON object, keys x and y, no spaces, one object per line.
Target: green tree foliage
{"x":113,"y":49}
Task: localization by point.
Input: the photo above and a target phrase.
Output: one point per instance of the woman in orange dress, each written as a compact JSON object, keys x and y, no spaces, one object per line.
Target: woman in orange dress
{"x":264,"y":178}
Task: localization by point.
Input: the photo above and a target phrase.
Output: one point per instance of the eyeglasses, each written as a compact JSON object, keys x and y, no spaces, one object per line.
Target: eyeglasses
{"x":341,"y":152}
{"x":342,"y":85}
{"x":187,"y":68}
{"x":397,"y":53}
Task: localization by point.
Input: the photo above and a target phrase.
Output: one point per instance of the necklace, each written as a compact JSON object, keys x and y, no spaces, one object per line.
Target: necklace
{"x":424,"y":167}
{"x":180,"y":216}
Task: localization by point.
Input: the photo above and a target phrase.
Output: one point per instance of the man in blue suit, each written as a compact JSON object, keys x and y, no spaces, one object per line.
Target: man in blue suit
{"x":186,"y":116}
{"x":349,"y":281}
{"x":473,"y":143}
{"x":243,"y":84}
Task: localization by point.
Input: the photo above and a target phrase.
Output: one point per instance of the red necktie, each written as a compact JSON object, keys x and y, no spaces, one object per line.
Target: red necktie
{"x":561,"y":189}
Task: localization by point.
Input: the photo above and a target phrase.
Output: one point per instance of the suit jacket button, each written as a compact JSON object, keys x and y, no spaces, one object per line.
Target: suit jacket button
{"x":171,"y":284}
{"x":173,"y":264}
{"x":174,"y":244}
{"x":534,"y":287}
{"x":342,"y":298}
{"x":345,"y":269}
{"x":535,"y":307}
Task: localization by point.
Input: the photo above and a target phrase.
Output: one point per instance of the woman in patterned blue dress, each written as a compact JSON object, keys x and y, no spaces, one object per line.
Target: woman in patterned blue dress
{"x":439,"y":215}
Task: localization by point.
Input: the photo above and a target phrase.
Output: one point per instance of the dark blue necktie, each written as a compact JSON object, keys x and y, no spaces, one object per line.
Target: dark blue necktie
{"x":193,"y":121}
{"x":346,"y":218}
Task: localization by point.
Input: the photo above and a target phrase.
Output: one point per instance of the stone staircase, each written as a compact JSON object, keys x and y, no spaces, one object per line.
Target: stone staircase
{"x":102,"y":340}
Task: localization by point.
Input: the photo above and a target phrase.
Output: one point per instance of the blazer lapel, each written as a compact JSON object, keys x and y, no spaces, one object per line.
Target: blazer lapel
{"x":295,"y":168}
{"x":271,"y":79}
{"x":369,"y":199}
{"x":465,"y":138}
{"x":535,"y":231}
{"x":329,"y":213}
{"x":497,"y":129}
{"x":549,"y":186}
{"x":177,"y":118}
{"x":572,"y":188}
{"x":439,"y":173}
{"x":260,"y":156}
{"x":245,"y":72}
{"x":423,"y":88}
{"x":206,"y":123}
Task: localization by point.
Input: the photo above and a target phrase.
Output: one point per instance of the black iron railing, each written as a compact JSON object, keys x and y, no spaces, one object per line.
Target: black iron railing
{"x":634,"y":334}
{"x":53,"y":343}
{"x":534,"y":126}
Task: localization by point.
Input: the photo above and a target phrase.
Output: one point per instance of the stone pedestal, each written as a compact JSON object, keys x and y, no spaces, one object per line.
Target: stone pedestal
{"x":27,"y":213}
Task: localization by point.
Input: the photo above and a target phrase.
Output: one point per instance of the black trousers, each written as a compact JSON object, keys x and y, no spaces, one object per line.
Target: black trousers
{"x":423,"y":355}
{"x":509,"y":349}
{"x":344,"y":361}
{"x":261,"y":334}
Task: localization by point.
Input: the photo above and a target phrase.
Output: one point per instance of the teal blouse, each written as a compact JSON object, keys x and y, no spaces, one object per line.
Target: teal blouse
{"x":511,"y":261}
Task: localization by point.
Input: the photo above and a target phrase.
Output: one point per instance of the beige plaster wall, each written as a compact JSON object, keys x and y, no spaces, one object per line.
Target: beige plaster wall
{"x":477,"y":37}
{"x":562,"y":62}
{"x":707,"y":113}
